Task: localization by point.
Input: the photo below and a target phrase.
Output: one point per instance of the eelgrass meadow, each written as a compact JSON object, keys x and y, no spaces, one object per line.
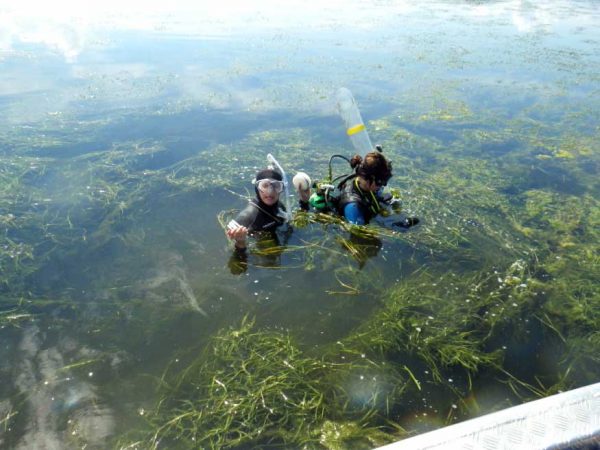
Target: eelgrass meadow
{"x":128,"y":139}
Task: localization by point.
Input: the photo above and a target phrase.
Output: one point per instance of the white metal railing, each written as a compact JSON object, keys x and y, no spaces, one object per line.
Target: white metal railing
{"x":562,"y":421}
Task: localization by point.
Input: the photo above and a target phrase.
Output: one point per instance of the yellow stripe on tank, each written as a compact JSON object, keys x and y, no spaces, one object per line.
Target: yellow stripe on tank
{"x":355,"y":129}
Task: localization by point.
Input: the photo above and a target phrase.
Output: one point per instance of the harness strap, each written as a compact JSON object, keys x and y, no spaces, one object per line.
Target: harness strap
{"x":373,"y":202}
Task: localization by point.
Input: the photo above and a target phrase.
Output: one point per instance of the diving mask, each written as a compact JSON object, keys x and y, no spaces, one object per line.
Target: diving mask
{"x":266,"y":183}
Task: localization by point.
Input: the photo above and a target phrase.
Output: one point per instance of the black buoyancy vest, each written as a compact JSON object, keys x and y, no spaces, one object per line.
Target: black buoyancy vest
{"x":350,"y":193}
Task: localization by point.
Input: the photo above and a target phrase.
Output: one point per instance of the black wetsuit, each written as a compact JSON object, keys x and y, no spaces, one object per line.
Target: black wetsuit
{"x":257,"y":216}
{"x":264,"y":220}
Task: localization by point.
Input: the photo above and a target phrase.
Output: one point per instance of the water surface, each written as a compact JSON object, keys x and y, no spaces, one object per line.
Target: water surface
{"x":125,"y":132}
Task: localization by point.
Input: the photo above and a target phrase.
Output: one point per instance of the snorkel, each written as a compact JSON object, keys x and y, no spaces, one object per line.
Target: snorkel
{"x":285,"y":215}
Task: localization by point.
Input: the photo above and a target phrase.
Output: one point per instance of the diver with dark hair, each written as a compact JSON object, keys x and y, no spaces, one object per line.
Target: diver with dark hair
{"x":261,"y":218}
{"x":359,"y":197}
{"x":263,"y":213}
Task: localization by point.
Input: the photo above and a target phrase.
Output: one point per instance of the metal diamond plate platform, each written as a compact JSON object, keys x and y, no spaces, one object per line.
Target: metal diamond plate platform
{"x":569,"y":420}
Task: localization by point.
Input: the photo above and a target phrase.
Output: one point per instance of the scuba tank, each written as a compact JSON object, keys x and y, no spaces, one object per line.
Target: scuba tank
{"x":355,"y":128}
{"x":326,"y":193}
{"x":324,"y":198}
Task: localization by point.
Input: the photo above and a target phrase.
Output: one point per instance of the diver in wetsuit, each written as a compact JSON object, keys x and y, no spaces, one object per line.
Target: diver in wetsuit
{"x":263,"y":213}
{"x":361,"y":196}
{"x":261,"y":217}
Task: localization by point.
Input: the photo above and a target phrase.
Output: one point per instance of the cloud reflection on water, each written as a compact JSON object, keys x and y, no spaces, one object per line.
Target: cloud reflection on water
{"x":69,"y":28}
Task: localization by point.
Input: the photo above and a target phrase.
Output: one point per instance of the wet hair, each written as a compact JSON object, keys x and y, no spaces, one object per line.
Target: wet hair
{"x":374,"y":167}
{"x":268,"y":173}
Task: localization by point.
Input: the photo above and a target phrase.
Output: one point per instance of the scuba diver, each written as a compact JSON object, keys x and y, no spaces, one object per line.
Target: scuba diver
{"x":359,"y":196}
{"x":362,"y":197}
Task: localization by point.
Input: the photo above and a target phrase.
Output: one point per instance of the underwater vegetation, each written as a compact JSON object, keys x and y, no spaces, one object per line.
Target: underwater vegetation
{"x":253,"y":387}
{"x":122,"y":325}
{"x":495,"y":291}
{"x":503,"y":269}
{"x":499,"y":291}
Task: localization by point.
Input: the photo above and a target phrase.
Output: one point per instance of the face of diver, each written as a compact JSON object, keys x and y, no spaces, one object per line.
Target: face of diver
{"x":269,"y":190}
{"x":374,"y":186}
{"x":269,"y":198}
{"x":369,"y":185}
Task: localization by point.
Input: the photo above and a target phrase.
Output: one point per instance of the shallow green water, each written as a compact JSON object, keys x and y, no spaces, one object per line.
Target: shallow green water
{"x":122,"y":140}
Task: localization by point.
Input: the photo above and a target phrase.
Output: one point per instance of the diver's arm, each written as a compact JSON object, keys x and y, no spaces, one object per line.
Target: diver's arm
{"x":353,"y":214}
{"x":303,"y":197}
{"x":238,"y":262}
{"x":241,"y":226}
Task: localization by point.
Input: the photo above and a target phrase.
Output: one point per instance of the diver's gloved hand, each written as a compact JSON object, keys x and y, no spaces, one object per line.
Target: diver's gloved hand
{"x":407,"y":222}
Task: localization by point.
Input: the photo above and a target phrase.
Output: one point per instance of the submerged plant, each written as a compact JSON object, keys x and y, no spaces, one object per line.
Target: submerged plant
{"x":503,"y":264}
{"x":441,"y":328}
{"x":252,"y":387}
